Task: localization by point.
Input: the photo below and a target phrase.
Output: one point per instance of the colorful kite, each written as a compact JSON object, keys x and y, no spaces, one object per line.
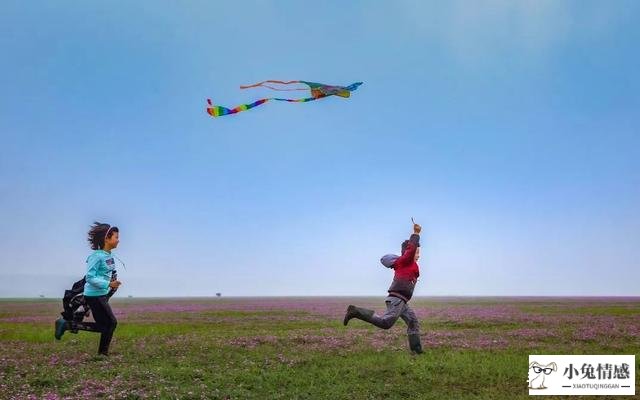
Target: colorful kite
{"x":318,"y":91}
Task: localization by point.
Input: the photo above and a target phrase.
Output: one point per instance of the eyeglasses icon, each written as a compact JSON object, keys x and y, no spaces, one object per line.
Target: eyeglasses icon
{"x":546,"y":371}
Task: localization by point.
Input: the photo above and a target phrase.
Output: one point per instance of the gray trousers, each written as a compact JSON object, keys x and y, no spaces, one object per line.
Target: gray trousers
{"x":397,"y":308}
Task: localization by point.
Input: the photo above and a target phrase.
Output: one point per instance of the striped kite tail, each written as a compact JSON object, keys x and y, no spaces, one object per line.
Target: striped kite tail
{"x":218,"y":111}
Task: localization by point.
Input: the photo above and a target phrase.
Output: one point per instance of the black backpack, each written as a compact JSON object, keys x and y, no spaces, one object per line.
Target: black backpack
{"x":71,"y":302}
{"x":74,"y":299}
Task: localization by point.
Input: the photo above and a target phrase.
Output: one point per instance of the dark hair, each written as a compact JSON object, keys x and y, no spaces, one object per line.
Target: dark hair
{"x":98,"y":234}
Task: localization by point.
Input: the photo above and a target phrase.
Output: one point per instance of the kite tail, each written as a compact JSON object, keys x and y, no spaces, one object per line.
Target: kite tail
{"x":217,"y":111}
{"x":270,"y":81}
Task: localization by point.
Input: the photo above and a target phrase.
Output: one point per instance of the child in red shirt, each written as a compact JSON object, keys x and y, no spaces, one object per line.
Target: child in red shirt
{"x":400,"y":292}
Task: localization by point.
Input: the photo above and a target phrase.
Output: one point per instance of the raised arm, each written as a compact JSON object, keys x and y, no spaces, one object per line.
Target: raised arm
{"x":409,"y":253}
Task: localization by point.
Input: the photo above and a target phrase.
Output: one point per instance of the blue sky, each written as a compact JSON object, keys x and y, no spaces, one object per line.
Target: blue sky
{"x":508,"y":129}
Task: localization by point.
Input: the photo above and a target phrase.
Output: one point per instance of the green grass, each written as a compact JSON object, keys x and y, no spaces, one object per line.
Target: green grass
{"x":197,"y":355}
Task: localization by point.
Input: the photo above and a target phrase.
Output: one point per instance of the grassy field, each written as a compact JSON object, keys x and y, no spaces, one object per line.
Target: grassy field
{"x":297,"y":348}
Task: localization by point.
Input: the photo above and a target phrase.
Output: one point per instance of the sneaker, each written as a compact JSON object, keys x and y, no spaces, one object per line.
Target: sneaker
{"x":61,"y":326}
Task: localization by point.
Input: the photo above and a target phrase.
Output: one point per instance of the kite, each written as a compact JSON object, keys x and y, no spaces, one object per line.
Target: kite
{"x":318,"y":91}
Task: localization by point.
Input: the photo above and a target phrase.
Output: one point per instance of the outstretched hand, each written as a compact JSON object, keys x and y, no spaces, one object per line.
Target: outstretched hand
{"x":416,"y":228}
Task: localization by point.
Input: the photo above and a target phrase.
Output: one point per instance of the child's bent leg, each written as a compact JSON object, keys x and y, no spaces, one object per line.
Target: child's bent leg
{"x":395,"y":307}
{"x":84,"y":326}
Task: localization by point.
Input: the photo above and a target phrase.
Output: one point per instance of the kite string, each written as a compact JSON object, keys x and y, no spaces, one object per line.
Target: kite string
{"x":279,"y":90}
{"x":268,"y":81}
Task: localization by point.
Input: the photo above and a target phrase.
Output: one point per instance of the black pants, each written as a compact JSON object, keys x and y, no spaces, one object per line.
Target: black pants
{"x":105,"y":320}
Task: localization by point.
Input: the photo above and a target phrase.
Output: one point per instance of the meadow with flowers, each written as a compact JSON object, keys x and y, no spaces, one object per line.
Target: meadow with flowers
{"x":297,"y":348}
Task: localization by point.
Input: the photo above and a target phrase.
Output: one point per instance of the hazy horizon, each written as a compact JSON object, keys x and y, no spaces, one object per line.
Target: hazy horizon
{"x":523,"y":297}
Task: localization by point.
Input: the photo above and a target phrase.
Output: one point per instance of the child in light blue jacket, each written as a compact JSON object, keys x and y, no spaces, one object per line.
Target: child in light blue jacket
{"x":99,"y":285}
